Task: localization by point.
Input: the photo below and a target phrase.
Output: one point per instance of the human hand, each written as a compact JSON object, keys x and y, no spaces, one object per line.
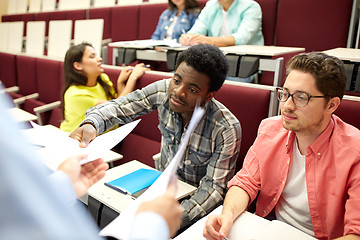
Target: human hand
{"x":138,"y":71}
{"x":199,"y":38}
{"x":84,"y":134}
{"x":84,"y":176}
{"x":217,"y":227}
{"x":185,"y":39}
{"x":167,"y":206}
{"x":124,"y":74}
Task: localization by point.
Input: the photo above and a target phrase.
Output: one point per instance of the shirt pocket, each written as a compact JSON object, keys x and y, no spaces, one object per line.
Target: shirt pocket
{"x":196,"y":163}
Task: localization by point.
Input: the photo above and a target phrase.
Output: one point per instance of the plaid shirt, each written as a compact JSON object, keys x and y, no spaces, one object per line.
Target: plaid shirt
{"x":208,"y":163}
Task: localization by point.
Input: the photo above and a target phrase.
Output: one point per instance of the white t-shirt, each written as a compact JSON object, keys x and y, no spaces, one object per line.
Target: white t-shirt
{"x":225,"y":25}
{"x":170,"y":29}
{"x":293,"y":205}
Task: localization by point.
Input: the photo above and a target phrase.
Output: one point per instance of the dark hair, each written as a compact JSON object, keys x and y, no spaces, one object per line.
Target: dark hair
{"x":207,"y":59}
{"x":75,"y":77}
{"x":328,"y":71}
{"x":190,"y":5}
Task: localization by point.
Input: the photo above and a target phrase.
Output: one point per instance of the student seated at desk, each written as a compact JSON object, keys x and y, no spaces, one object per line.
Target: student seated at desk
{"x":36,"y":204}
{"x":176,"y":20}
{"x":227,"y":23}
{"x":304,"y":164}
{"x":86,"y":84}
{"x":209,"y":161}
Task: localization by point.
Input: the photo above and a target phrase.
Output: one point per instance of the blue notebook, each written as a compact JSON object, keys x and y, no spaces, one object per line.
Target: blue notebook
{"x":135,"y":181}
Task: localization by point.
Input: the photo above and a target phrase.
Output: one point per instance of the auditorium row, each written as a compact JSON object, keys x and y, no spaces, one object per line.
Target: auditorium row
{"x":42,"y":79}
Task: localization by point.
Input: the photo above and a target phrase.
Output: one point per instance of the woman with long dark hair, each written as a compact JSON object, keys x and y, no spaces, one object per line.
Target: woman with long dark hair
{"x":177,"y":19}
{"x":86,"y":84}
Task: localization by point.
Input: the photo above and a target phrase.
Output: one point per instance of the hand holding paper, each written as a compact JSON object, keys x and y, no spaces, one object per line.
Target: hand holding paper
{"x":63,"y":146}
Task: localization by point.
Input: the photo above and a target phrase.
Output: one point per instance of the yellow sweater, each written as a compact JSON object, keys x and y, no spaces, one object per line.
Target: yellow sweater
{"x":78,"y":99}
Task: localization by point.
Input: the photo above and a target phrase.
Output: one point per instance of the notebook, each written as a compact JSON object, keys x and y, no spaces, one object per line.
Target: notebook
{"x":134,"y":181}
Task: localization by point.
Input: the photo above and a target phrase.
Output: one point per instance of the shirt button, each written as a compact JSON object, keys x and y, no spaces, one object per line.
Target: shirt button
{"x":274,"y":199}
{"x":183,"y":19}
{"x":288,"y":161}
{"x":265,"y":211}
{"x":282,"y":182}
{"x":166,"y":27}
{"x":171,"y":19}
{"x":319,"y":154}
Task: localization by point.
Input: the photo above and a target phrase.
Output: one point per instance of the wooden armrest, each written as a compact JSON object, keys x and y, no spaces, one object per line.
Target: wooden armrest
{"x":13,"y":89}
{"x":21,"y":100}
{"x":45,"y":108}
{"x":156,"y":156}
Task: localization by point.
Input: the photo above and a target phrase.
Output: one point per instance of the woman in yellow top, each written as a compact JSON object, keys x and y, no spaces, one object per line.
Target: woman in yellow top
{"x":86,"y":84}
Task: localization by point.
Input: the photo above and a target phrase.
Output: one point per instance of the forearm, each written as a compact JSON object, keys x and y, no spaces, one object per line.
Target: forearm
{"x":205,"y":199}
{"x":236,"y":201}
{"x":128,"y":87}
{"x":222,"y":41}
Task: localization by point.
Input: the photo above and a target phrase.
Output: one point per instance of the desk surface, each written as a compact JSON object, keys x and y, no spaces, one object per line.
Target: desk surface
{"x":349,"y":54}
{"x":21,"y":115}
{"x":118,"y":201}
{"x":248,"y":226}
{"x":261,"y":50}
{"x":50,"y":160}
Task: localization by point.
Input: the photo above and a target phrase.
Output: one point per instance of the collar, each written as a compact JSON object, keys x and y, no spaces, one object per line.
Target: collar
{"x":320,"y":143}
{"x":233,"y":5}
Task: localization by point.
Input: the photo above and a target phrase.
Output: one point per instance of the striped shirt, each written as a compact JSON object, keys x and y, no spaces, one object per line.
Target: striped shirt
{"x":210,"y":158}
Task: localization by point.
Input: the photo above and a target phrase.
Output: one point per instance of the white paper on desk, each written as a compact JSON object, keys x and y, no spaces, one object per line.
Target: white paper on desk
{"x":62,"y":146}
{"x":277,"y":230}
{"x":120,"y":226}
{"x":149,"y":43}
{"x":245,"y":227}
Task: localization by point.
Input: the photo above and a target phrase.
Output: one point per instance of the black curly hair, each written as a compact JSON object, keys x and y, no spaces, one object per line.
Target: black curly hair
{"x":206,"y":59}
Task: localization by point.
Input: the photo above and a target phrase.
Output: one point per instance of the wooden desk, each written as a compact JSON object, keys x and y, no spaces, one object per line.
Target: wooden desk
{"x":351,"y":58}
{"x":49,"y":159}
{"x":118,"y":201}
{"x":21,"y":115}
{"x":345,"y":54}
{"x":264,"y":52}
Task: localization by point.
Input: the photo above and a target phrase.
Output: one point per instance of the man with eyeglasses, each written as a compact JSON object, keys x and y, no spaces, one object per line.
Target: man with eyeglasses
{"x":304,"y":165}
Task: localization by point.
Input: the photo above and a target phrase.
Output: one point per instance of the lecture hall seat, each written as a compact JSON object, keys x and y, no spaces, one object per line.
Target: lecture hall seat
{"x":49,"y":83}
{"x":250,"y":106}
{"x":316,"y":25}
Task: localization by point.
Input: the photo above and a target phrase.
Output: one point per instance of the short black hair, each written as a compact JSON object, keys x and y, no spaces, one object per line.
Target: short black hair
{"x":206,"y":59}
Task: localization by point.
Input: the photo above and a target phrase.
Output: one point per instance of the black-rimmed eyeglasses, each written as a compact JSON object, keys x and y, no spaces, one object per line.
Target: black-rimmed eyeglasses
{"x":300,"y":99}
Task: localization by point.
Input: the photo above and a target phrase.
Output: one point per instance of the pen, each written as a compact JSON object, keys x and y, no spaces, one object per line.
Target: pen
{"x":123,"y":191}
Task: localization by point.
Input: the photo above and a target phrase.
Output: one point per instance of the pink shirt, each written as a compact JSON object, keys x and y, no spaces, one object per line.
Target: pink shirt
{"x":332,"y":174}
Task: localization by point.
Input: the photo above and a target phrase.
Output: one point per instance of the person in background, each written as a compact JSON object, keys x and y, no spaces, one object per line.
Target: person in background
{"x":38,"y":204}
{"x":176,"y":20}
{"x":86,"y":85}
{"x":305,"y":164}
{"x":209,"y":160}
{"x":227,"y":23}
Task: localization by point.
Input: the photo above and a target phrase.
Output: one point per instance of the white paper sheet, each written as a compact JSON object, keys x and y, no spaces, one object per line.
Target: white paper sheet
{"x":62,"y":146}
{"x":120,"y":226}
{"x":148,"y":43}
